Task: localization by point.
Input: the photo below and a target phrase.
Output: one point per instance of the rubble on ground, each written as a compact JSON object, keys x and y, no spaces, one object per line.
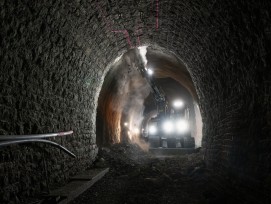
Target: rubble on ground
{"x":138,"y":177}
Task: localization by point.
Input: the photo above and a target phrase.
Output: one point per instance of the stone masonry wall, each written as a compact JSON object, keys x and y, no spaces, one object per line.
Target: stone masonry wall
{"x":51,"y":72}
{"x":226,"y":46}
{"x":53,"y":59}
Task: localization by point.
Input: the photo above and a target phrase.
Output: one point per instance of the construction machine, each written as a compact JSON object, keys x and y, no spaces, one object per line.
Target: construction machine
{"x":170,"y":128}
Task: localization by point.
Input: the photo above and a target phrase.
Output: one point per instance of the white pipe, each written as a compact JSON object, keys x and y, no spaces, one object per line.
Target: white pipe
{"x":7,"y":143}
{"x":34,"y":136}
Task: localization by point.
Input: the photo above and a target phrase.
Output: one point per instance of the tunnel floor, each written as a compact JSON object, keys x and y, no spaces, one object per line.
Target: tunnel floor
{"x":139,"y":177}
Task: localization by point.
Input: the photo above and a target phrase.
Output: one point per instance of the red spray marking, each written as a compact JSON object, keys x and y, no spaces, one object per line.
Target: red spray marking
{"x":109,"y":25}
{"x":157,"y":3}
{"x":126,"y":34}
{"x":138,"y":38}
{"x":156,"y":24}
{"x":137,"y":31}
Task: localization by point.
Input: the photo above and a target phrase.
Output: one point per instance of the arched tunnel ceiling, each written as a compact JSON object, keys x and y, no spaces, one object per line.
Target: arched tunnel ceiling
{"x":55,"y":54}
{"x":219,"y":44}
{"x":167,"y":65}
{"x":126,"y":96}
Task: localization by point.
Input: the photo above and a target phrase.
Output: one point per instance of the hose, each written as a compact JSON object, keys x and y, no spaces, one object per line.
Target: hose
{"x":7,"y":143}
{"x":34,"y":136}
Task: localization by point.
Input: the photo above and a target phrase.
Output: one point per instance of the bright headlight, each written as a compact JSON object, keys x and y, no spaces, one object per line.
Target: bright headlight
{"x":150,"y":72}
{"x":136,"y":131}
{"x":182,"y":126}
{"x":152,"y":129}
{"x":178,"y":104}
{"x":168,"y":127}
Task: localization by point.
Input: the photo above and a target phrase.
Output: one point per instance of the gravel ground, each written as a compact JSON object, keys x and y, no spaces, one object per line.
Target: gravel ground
{"x":138,"y":177}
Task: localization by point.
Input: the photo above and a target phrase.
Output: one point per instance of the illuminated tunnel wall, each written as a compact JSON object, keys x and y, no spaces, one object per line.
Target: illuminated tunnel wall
{"x":124,"y":93}
{"x":55,"y":54}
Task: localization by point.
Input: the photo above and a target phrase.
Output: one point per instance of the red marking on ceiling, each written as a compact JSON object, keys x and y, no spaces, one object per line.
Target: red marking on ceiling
{"x":157,"y":11}
{"x":126,"y":34}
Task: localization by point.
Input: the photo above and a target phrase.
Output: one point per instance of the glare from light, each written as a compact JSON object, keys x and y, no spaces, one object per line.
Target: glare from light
{"x":152,"y":130}
{"x":182,"y":126}
{"x":168,"y":127}
{"x":178,"y":104}
{"x":142,"y":52}
{"x":150,"y":72}
{"x":125,"y":124}
{"x":129,"y":134}
{"x":117,"y":59}
{"x":136,"y":131}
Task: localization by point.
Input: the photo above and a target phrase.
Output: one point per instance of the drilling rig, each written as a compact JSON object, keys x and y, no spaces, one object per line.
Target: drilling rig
{"x":170,"y":128}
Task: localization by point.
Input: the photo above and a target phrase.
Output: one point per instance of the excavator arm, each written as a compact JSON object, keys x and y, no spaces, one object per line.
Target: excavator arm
{"x":157,"y":92}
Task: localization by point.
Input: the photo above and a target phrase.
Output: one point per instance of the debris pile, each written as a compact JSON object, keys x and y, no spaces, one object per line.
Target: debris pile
{"x":138,"y":177}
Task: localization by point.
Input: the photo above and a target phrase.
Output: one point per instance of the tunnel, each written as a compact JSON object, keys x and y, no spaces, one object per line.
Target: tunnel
{"x":126,"y":97}
{"x":69,"y":66}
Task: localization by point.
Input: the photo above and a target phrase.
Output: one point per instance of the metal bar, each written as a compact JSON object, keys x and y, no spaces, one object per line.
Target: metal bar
{"x":34,"y":136}
{"x":7,"y":143}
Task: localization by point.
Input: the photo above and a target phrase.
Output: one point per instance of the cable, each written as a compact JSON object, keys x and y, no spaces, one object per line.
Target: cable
{"x":7,"y":143}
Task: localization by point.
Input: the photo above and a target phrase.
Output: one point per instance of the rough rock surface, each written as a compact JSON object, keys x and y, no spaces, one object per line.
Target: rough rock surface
{"x":55,"y":53}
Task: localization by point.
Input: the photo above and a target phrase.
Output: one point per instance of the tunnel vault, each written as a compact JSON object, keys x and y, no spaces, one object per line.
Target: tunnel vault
{"x":126,"y":97}
{"x":55,"y":55}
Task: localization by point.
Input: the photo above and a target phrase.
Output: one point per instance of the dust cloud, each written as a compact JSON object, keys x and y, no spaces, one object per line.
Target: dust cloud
{"x":129,"y":98}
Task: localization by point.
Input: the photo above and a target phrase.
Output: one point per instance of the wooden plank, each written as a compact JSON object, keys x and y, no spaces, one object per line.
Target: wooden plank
{"x":87,"y":175}
{"x":78,"y":185}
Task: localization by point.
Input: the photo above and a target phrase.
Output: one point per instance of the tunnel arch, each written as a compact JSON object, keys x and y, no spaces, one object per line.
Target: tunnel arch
{"x":112,"y":111}
{"x":54,"y":56}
